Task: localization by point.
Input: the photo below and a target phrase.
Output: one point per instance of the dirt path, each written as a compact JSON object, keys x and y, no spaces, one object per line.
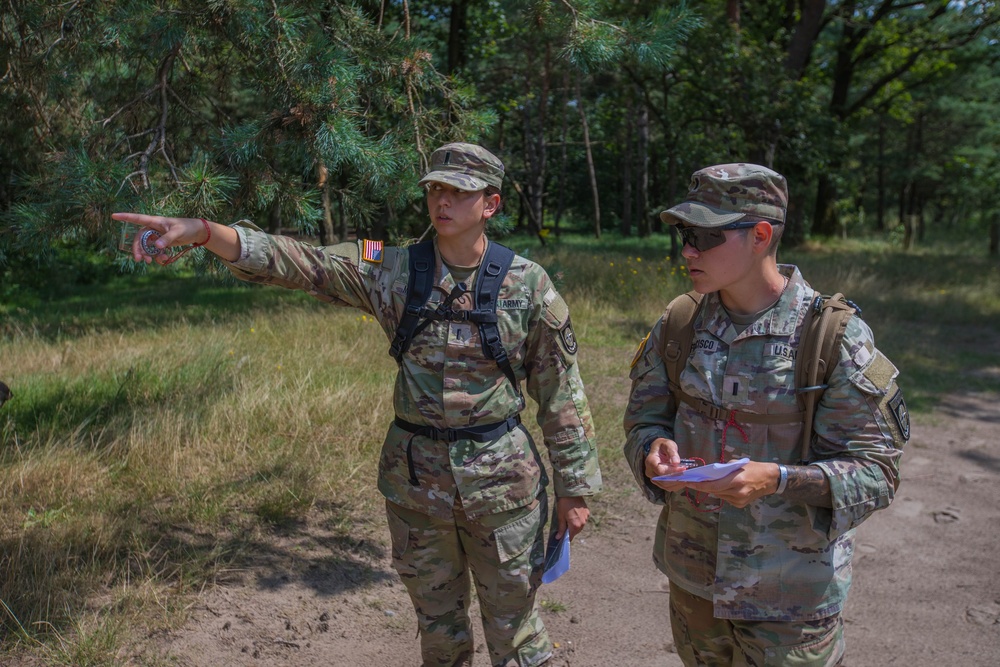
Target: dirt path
{"x":926,"y":593}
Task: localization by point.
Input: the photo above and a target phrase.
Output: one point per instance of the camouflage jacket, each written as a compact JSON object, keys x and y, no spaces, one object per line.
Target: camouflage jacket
{"x":446,"y":381}
{"x":774,"y":559}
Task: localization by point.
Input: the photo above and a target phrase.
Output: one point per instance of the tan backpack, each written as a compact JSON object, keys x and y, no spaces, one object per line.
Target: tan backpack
{"x":818,"y":352}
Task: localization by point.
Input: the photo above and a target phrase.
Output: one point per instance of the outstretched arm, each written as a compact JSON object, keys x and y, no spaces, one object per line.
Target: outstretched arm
{"x":222,"y":240}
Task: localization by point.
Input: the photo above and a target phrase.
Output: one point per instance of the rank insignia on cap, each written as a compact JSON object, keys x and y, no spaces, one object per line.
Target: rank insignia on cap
{"x":372,"y":251}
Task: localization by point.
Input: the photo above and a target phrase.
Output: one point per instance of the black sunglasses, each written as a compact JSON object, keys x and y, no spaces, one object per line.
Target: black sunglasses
{"x":702,"y":238}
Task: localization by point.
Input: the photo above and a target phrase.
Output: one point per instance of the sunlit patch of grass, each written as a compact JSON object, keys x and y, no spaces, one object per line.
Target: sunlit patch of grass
{"x":553,"y":606}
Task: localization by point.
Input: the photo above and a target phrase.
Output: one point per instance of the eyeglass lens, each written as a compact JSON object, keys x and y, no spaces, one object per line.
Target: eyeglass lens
{"x":702,"y":239}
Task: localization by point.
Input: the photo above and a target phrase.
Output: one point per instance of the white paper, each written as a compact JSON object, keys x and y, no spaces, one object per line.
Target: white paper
{"x":705,"y":473}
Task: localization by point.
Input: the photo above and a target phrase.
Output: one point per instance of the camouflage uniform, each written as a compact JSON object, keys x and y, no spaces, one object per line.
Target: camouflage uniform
{"x":449,"y":505}
{"x":774,"y":560}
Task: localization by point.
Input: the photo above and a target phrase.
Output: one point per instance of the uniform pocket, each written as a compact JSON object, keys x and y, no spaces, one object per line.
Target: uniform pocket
{"x":824,"y":651}
{"x":515,"y":538}
{"x":399,"y":533}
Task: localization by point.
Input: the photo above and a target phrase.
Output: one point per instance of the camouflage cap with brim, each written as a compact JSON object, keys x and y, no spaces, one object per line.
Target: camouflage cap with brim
{"x":465,"y":166}
{"x":727,"y":193}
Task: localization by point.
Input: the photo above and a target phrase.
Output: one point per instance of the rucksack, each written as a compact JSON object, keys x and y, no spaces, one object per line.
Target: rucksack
{"x":817,"y":355}
{"x":416,"y":315}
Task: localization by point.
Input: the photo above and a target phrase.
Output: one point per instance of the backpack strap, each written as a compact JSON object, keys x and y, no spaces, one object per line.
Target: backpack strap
{"x":677,"y":336}
{"x":418,"y":290}
{"x":818,"y":354}
{"x":416,"y":315}
{"x":675,"y":348}
{"x":492,"y":271}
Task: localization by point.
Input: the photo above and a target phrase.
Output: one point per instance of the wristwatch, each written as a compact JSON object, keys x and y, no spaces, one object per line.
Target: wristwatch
{"x":782,"y":478}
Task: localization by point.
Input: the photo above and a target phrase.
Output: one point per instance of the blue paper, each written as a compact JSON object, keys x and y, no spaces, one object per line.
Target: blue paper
{"x":705,"y":473}
{"x":556,"y":558}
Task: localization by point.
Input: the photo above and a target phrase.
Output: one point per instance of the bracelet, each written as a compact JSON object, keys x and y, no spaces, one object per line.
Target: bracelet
{"x":208,"y":232}
{"x":173,"y":258}
{"x":782,"y":478}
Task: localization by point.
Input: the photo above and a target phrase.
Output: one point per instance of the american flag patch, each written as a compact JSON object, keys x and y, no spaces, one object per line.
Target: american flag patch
{"x":372,"y":251}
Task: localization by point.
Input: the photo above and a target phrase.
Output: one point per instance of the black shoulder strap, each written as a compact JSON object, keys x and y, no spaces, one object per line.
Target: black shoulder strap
{"x":493,"y":269}
{"x":418,"y":290}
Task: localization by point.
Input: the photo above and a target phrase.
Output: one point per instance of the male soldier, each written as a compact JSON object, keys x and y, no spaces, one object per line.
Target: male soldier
{"x":759,"y":561}
{"x":463,"y":480}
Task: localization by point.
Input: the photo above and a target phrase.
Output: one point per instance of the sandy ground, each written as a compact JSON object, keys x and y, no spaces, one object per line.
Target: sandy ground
{"x":926,"y":591}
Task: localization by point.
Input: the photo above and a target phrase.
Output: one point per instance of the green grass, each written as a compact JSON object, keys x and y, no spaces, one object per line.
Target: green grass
{"x":165,"y":424}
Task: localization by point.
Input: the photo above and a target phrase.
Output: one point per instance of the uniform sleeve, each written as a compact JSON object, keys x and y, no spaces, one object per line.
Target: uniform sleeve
{"x":650,"y":411}
{"x":334,"y":274}
{"x":553,"y":380}
{"x":861,"y":425}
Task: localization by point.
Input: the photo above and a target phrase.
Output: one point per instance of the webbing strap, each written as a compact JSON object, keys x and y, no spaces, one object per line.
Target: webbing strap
{"x":478,"y":433}
{"x":678,"y":333}
{"x":713,"y":411}
{"x":819,"y":345}
{"x":495,"y":264}
{"x":491,"y":274}
{"x":418,"y":289}
{"x":818,"y":350}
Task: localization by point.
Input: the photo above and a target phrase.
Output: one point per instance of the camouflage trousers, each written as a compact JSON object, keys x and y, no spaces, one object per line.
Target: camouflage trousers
{"x":504,"y":552}
{"x":706,"y":641}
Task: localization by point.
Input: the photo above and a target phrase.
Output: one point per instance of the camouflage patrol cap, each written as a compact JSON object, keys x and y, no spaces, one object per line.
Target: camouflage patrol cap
{"x":466,"y":166}
{"x":727,"y":193}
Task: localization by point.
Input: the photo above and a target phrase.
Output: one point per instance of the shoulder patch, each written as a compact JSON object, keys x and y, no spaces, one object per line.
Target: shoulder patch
{"x":638,"y":352}
{"x":372,"y":251}
{"x":897,"y":408}
{"x":567,"y":337}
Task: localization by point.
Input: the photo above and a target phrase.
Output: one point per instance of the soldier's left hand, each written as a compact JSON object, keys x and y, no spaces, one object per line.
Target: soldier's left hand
{"x":573,"y":513}
{"x":739,"y":489}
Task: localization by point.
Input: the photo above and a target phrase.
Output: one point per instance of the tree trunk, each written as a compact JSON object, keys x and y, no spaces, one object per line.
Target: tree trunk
{"x":534,"y":144}
{"x":457,"y":35}
{"x":655,"y":187}
{"x":590,"y":160}
{"x":794,"y":233}
{"x":626,"y":170}
{"x":995,"y":236}
{"x":344,"y":224}
{"x":733,"y":13}
{"x":880,"y":178}
{"x":274,"y":218}
{"x":326,"y":234}
{"x":824,"y":216}
{"x":563,"y":158}
{"x":825,"y":220}
{"x":642,"y":168}
{"x":804,"y":36}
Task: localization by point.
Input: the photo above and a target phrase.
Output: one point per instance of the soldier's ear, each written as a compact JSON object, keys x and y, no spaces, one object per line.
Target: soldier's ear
{"x":762,"y":234}
{"x":491,"y":203}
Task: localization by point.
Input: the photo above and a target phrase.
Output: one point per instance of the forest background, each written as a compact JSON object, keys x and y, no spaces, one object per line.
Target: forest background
{"x":125,"y":482}
{"x":317,"y":116}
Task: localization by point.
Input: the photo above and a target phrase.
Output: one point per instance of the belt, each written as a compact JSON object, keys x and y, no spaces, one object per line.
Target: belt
{"x":479,"y":433}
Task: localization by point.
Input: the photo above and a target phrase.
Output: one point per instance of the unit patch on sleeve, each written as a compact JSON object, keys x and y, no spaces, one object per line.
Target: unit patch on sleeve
{"x":372,"y":251}
{"x":899,"y":412}
{"x":568,"y":338}
{"x":638,"y":352}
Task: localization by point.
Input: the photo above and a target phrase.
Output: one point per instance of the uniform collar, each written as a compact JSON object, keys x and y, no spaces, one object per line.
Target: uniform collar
{"x":780,"y":320}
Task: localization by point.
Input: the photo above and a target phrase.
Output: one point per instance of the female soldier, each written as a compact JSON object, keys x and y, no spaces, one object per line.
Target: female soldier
{"x":463,"y":480}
